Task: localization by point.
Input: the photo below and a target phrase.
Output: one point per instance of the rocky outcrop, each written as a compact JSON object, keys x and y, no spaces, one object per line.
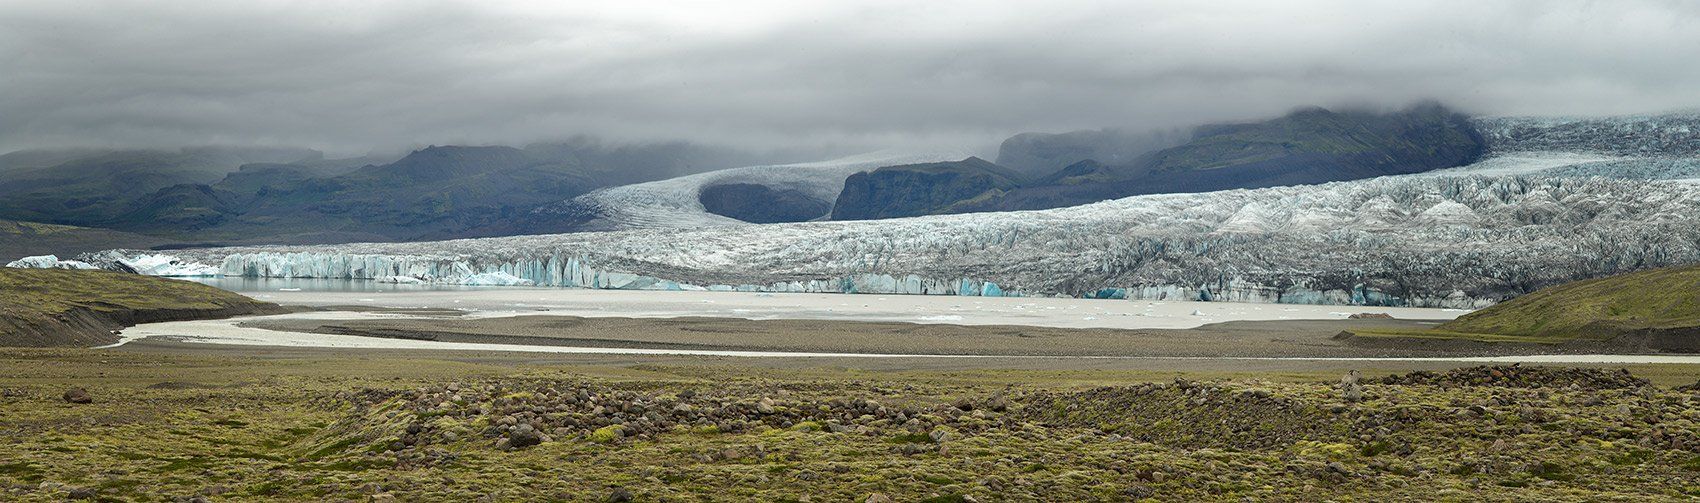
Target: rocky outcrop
{"x":760,"y":204}
{"x":921,"y":189}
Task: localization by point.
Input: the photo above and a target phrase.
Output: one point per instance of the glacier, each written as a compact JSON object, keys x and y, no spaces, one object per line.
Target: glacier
{"x":1556,"y":201}
{"x":676,"y":203}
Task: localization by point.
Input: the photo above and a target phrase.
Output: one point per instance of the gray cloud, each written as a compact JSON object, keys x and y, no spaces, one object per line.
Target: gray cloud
{"x":354,"y":77}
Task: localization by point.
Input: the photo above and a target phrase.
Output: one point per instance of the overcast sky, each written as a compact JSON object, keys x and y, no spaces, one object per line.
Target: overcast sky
{"x":381,"y":75}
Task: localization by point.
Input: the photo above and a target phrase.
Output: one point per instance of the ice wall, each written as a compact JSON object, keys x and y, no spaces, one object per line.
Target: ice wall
{"x":553,"y":270}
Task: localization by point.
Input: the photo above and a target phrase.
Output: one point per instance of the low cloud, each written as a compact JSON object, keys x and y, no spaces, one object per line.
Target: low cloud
{"x":951,"y":74}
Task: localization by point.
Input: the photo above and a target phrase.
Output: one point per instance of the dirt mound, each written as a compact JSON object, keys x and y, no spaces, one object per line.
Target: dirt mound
{"x":1189,"y":414}
{"x":1518,"y":376}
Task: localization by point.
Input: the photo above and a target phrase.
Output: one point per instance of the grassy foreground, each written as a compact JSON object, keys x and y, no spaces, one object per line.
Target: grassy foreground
{"x":48,"y":307}
{"x":177,"y":427}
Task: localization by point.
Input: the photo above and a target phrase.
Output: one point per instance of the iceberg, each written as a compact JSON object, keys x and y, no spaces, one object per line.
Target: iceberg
{"x":48,"y":262}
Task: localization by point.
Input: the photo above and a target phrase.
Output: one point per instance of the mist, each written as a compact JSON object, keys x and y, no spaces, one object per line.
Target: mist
{"x":383,"y":76}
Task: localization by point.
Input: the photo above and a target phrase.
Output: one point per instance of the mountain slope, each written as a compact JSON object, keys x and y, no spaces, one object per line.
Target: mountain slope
{"x":24,"y":239}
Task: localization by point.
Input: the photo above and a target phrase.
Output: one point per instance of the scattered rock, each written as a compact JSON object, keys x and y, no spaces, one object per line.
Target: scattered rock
{"x":1350,"y":387}
{"x":524,"y":436}
{"x":78,"y":395}
{"x":877,"y":498}
{"x":619,"y":495}
{"x":1518,"y":376}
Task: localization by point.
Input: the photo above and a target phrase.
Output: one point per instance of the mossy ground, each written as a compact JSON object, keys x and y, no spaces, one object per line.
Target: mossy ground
{"x":167,"y":426}
{"x":33,"y":292}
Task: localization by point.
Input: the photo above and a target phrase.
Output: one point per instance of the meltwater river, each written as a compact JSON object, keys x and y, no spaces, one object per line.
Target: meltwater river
{"x":523,"y":301}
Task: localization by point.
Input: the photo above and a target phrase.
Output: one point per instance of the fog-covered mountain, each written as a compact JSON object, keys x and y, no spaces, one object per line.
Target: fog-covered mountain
{"x":91,"y":186}
{"x":291,"y":195}
{"x":1036,"y":155}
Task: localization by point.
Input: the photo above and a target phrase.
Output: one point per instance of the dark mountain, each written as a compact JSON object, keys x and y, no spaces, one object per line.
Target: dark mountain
{"x":1038,"y":154}
{"x":1305,"y":147}
{"x":435,"y":191}
{"x":922,"y":189}
{"x":761,"y":204}
{"x":260,"y":195}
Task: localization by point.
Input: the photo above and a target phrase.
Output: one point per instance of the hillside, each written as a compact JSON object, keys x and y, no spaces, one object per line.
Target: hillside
{"x":23,"y":239}
{"x":1656,"y":303}
{"x":57,"y":307}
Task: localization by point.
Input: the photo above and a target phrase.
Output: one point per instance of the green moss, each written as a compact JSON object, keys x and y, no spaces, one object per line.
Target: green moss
{"x":333,"y":448}
{"x":606,"y":434}
{"x":1550,"y":470}
{"x":19,"y":469}
{"x":911,"y":438}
